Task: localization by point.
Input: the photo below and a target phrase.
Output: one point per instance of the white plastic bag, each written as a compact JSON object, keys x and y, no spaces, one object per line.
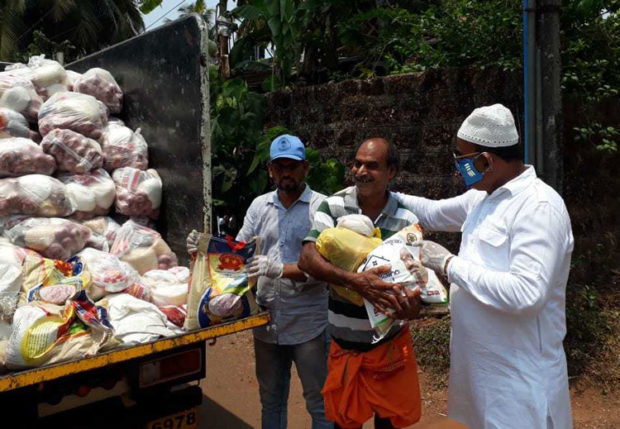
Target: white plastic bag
{"x":168,"y":287}
{"x":54,"y":238}
{"x":70,"y":110}
{"x":72,"y":151}
{"x":18,"y":93}
{"x":398,"y":252}
{"x":138,"y":193}
{"x":109,"y":274}
{"x":123,"y":147}
{"x":143,"y":248}
{"x":10,"y":283}
{"x":104,"y":227}
{"x":92,"y":193}
{"x":136,"y":321}
{"x":358,"y":223}
{"x":35,"y":195}
{"x":13,"y":124}
{"x":72,"y":77}
{"x":48,"y":75}
{"x":20,"y":156}
{"x":101,"y":84}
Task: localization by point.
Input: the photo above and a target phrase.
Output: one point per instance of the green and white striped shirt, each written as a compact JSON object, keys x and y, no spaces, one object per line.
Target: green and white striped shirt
{"x":348,"y":323}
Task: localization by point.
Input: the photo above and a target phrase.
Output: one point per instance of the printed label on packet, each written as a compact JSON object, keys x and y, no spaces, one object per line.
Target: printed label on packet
{"x":130,"y":179}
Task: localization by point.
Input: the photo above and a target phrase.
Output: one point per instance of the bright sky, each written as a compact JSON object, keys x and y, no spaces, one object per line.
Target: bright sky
{"x":169,"y":9}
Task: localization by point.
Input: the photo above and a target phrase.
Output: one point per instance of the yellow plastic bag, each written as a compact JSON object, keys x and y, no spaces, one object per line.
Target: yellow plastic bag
{"x":346,"y":249}
{"x":46,"y":333}
{"x":52,"y":280}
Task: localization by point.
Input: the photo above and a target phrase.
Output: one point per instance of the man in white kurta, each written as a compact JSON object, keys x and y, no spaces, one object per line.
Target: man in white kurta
{"x":508,"y":282}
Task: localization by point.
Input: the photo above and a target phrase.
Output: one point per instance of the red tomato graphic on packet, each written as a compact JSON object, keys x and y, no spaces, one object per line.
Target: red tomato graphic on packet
{"x":229,"y":261}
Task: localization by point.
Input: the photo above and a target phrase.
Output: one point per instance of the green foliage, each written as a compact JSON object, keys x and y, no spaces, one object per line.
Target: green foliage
{"x":604,"y":138}
{"x":326,"y":176}
{"x":240,"y":149}
{"x":281,"y":18}
{"x":236,"y":128}
{"x":88,"y":25}
{"x":431,"y":339}
{"x":587,"y":327}
{"x":147,"y":6}
{"x":591,"y":49}
{"x":42,"y":45}
{"x":590,"y":64}
{"x":451,"y":34}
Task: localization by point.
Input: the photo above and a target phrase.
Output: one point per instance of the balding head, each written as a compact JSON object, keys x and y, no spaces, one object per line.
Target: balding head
{"x":386,"y":150}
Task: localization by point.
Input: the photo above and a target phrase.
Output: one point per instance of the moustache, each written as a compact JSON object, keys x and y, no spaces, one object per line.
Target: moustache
{"x":366,"y":179}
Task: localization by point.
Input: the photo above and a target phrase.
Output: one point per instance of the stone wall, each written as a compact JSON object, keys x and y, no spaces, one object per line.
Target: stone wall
{"x":421,"y":113}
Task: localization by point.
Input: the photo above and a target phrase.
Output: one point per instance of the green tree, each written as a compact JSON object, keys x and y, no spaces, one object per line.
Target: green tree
{"x":88,"y":25}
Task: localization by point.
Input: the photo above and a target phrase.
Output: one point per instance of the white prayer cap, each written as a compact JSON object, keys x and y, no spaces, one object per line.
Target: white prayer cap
{"x":490,"y":126}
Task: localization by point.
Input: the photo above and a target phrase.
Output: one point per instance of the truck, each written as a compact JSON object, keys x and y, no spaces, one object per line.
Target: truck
{"x":164,"y":77}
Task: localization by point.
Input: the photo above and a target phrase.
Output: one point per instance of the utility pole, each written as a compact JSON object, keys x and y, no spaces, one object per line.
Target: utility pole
{"x":222,"y":34}
{"x":543,"y":96}
{"x":551,"y":92}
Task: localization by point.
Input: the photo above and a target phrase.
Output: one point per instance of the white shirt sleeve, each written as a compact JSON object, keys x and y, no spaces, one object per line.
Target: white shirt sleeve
{"x":442,"y":215}
{"x":539,"y":240}
{"x":248,"y":230}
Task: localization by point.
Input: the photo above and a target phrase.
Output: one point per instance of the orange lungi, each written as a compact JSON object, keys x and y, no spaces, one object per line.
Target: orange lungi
{"x":383,"y":380}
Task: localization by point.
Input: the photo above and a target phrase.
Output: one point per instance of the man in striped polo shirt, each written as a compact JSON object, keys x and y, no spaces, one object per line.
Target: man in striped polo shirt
{"x":366,"y":377}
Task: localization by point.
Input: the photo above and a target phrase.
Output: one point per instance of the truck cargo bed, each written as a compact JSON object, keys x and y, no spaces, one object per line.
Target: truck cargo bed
{"x":30,"y":377}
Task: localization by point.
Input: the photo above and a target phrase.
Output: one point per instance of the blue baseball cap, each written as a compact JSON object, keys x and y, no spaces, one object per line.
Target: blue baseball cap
{"x":287,"y":146}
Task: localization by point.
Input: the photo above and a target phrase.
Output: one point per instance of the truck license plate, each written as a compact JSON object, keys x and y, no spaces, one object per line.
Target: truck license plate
{"x":187,"y":419}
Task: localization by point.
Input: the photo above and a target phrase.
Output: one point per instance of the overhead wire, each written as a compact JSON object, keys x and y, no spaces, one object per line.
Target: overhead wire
{"x":34,"y":25}
{"x":164,"y":15}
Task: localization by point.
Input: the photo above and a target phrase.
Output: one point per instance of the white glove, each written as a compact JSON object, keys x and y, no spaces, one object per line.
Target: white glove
{"x":263,"y":265}
{"x":192,"y":241}
{"x":434,"y":256}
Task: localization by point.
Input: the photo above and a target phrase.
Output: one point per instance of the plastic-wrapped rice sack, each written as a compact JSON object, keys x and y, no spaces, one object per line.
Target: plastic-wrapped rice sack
{"x":54,"y":238}
{"x":20,"y":156}
{"x":92,"y":193}
{"x":18,"y":93}
{"x":11,"y":260}
{"x":136,"y":321}
{"x":104,"y":230}
{"x":70,"y":110}
{"x":143,"y":248}
{"x":13,"y":124}
{"x":123,"y":147}
{"x":108,"y":274}
{"x":138,"y":193}
{"x":72,"y":151}
{"x":101,"y":84}
{"x":168,"y":287}
{"x":35,"y":195}
{"x":48,"y":75}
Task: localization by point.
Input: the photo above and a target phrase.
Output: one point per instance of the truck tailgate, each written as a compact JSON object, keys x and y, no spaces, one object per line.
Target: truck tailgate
{"x":30,"y":377}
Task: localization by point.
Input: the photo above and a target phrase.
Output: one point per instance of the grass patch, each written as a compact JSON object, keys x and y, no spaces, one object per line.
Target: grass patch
{"x":431,"y":340}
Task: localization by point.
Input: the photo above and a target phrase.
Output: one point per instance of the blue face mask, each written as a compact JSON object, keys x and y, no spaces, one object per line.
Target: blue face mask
{"x":468,"y":171}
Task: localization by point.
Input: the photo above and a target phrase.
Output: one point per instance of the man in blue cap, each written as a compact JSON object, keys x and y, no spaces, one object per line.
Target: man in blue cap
{"x":297,"y":305}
